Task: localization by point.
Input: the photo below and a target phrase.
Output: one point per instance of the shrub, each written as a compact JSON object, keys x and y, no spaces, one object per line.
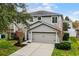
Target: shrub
{"x":2,"y":36}
{"x":63,"y":45}
{"x":73,"y":39}
{"x":5,"y":44}
{"x":66,"y":37}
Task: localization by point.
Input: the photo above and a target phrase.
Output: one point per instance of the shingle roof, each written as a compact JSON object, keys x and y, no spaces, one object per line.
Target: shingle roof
{"x":43,"y":13}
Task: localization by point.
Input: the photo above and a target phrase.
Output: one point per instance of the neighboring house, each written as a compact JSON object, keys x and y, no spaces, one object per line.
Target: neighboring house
{"x":72,"y":32}
{"x":45,"y":27}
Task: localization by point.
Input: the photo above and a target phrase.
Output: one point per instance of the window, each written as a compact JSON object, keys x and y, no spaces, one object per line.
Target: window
{"x":31,"y":20}
{"x":39,"y":18}
{"x":46,"y":16}
{"x":54,"y":19}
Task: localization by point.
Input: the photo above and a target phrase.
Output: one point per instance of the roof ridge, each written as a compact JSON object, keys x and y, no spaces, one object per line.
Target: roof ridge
{"x":43,"y":13}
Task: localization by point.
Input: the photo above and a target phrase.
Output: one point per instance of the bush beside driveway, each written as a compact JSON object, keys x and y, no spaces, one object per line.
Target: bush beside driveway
{"x":74,"y":51}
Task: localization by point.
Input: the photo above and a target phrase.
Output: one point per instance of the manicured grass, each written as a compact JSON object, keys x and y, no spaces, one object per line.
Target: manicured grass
{"x":74,"y":51}
{"x":7,"y":47}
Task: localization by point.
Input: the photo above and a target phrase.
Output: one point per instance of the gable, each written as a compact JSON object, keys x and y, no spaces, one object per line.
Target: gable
{"x":43,"y":28}
{"x":38,"y":23}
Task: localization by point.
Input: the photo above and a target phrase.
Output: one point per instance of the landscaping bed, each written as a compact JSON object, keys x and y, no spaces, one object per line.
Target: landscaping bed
{"x":7,"y":47}
{"x":74,"y":51}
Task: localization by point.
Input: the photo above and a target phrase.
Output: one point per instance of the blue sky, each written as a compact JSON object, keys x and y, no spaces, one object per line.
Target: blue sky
{"x":67,"y":9}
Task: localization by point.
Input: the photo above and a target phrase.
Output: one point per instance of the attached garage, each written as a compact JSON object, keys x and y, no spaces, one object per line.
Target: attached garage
{"x":44,"y":37}
{"x":43,"y":33}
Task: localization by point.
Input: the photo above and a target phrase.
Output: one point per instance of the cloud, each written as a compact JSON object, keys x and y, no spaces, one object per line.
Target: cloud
{"x":19,"y":9}
{"x":50,"y":5}
{"x":72,"y":17}
{"x":40,"y":8}
{"x":44,"y":6}
{"x":76,"y":13}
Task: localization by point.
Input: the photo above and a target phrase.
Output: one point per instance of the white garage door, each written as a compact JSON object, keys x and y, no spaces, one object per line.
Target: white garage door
{"x":45,"y":37}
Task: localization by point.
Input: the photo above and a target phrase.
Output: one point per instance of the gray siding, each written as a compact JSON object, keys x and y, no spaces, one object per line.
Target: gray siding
{"x":43,"y":28}
{"x":48,"y":20}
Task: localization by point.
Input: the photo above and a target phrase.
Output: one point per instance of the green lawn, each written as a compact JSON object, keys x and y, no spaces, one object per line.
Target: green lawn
{"x":73,"y":52}
{"x":7,"y":47}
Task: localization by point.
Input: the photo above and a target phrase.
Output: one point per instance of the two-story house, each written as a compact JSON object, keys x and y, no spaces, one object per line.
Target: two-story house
{"x":45,"y":27}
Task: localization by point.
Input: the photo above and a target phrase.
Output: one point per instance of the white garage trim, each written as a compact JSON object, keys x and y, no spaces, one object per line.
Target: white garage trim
{"x":31,"y":34}
{"x":56,"y":37}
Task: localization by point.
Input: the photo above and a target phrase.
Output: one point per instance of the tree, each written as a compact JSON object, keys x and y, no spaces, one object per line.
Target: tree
{"x":75,"y":24}
{"x":9,"y":14}
{"x":67,"y":18}
{"x":65,"y":26}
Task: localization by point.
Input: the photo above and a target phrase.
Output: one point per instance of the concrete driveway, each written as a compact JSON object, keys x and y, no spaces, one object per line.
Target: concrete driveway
{"x":35,"y":49}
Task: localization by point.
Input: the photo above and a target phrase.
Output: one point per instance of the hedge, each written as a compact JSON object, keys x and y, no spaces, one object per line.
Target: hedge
{"x":63,"y":45}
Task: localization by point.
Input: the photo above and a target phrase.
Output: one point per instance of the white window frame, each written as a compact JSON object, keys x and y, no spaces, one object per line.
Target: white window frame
{"x":52,"y":19}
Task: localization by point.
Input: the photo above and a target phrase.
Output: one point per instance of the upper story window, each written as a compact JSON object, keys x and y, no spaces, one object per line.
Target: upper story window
{"x":31,"y":20}
{"x":46,"y":16}
{"x":54,"y":19}
{"x":39,"y":18}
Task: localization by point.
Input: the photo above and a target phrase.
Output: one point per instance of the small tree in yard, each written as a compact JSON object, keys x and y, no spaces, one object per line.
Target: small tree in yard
{"x":9,"y":14}
{"x":67,"y":18}
{"x":65,"y":26}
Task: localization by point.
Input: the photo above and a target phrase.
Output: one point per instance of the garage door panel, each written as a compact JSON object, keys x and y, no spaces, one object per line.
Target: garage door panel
{"x":45,"y":37}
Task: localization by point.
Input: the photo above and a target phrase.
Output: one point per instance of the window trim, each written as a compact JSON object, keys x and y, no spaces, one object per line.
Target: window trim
{"x":54,"y":20}
{"x":31,"y":20}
